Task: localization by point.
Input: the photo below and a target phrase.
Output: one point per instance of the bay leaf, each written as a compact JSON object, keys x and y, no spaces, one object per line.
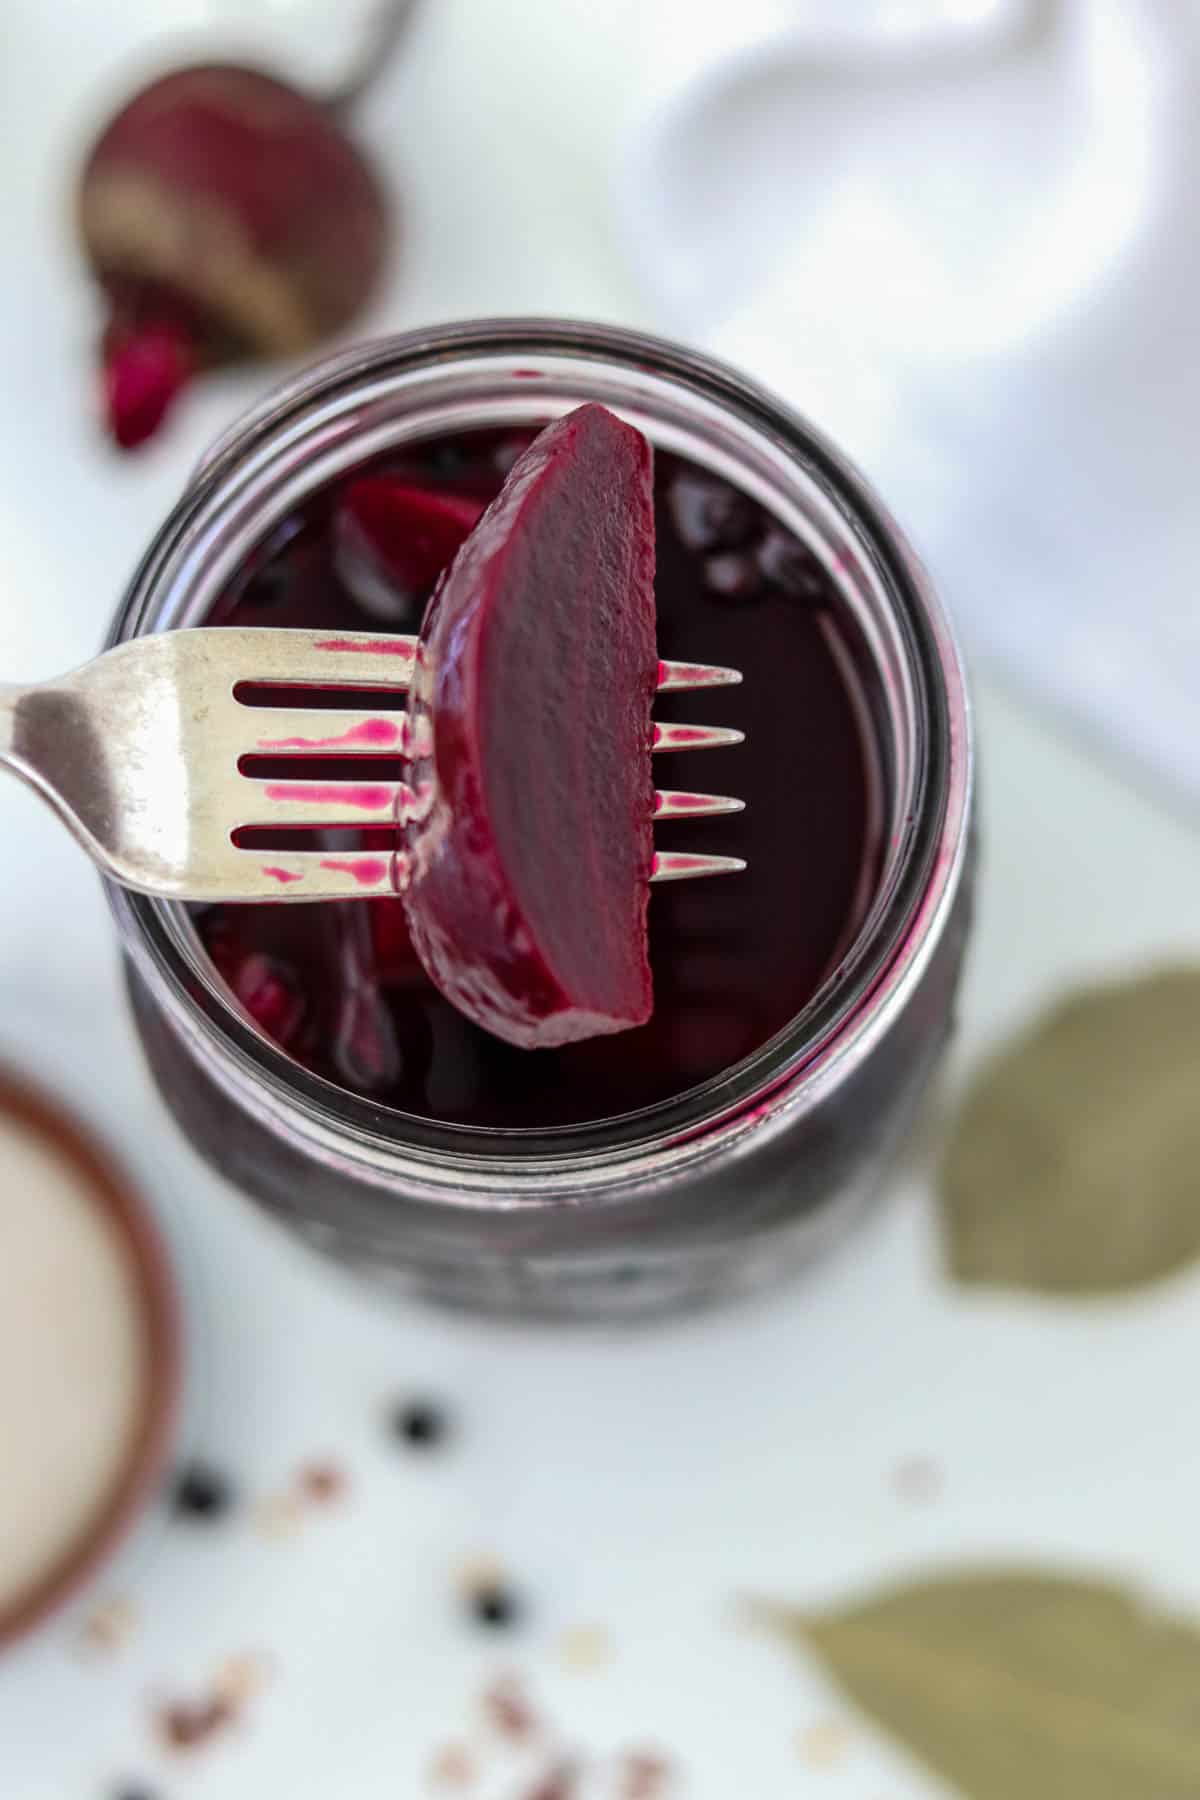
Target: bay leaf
{"x":1022,"y":1685}
{"x":1074,"y":1163}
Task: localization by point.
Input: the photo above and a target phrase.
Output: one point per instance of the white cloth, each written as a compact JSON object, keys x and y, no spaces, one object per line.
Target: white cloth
{"x":965,"y":239}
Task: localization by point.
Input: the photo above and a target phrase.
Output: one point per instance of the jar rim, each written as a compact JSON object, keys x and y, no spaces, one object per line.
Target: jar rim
{"x":836,"y":1028}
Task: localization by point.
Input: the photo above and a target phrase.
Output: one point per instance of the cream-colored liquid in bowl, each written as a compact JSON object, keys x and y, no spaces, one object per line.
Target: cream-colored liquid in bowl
{"x":74,"y":1357}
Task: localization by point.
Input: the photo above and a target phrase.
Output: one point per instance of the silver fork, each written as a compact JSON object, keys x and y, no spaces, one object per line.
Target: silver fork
{"x":140,"y":754}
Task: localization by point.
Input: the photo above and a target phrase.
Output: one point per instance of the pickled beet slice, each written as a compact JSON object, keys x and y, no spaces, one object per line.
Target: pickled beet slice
{"x":392,"y":540}
{"x":531,"y":867}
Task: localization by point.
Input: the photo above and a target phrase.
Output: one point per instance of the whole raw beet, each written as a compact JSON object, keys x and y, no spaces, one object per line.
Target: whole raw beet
{"x":224,"y":213}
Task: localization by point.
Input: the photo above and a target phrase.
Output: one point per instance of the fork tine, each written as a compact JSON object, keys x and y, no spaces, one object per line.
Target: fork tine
{"x":674,"y":676}
{"x":283,"y":658}
{"x":320,"y":875}
{"x":316,"y":874}
{"x":315,"y":803}
{"x":679,"y":865}
{"x":300,"y":731}
{"x":365,"y":659}
{"x":670,"y":804}
{"x":695,"y":737}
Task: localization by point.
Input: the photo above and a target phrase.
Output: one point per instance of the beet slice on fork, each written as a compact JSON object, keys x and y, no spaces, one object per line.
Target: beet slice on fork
{"x":532,"y":849}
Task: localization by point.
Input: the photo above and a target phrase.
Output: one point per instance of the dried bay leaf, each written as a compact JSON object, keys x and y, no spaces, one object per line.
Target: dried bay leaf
{"x":1074,"y":1163}
{"x":1019,"y":1685}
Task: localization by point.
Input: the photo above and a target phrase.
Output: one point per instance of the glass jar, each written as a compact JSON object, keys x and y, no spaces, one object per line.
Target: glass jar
{"x":701,"y":1196}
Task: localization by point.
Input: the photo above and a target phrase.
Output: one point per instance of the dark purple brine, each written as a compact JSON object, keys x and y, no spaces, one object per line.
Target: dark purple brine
{"x":340,"y":988}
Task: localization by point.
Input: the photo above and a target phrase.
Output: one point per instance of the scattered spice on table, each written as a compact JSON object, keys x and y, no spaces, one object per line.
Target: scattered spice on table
{"x":489,"y":1597}
{"x":478,"y":1571}
{"x":644,"y":1775}
{"x":559,"y":1783}
{"x":189,"y":1723}
{"x":186,"y":1724}
{"x":534,"y":1759}
{"x":279,"y":1515}
{"x":324,"y":1483}
{"x":240,"y":1678}
{"x":584,"y":1648}
{"x":497,"y":1607}
{"x":110,"y":1625}
{"x":507,"y":1709}
{"x":452,"y":1767}
{"x":825,"y":1743}
{"x":419,"y":1423}
{"x":518,"y":1730}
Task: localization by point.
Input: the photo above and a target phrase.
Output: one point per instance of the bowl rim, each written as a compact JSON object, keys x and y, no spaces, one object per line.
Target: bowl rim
{"x":115,"y":1194}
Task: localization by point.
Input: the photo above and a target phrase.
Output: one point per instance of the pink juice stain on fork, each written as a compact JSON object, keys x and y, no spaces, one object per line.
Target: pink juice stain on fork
{"x":678,"y":860}
{"x":368,"y":871}
{"x":282,"y":876}
{"x":331,"y":793}
{"x":394,"y":646}
{"x":694,"y":674}
{"x":372,"y":734}
{"x":680,"y":734}
{"x":682,"y":803}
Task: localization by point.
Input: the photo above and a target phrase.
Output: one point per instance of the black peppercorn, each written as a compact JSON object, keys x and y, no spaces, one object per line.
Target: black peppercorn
{"x":495,"y":1606}
{"x":420,"y":1423}
{"x":201,"y":1492}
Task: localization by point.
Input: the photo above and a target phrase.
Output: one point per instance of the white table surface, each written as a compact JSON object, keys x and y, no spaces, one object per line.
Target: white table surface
{"x":639,"y":1482}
